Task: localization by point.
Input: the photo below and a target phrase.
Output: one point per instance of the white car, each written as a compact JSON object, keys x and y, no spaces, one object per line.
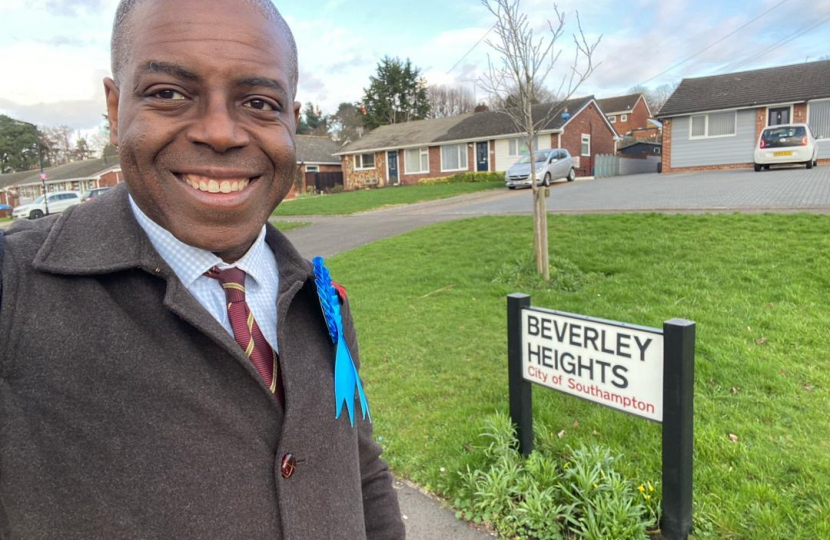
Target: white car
{"x":786,"y":144}
{"x":57,"y":203}
{"x":551,"y":165}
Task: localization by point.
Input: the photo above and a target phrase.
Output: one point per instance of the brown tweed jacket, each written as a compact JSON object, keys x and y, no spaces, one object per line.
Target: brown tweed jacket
{"x":128,"y":412}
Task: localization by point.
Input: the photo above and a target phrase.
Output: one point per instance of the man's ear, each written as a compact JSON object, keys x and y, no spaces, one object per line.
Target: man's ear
{"x":112,"y":93}
{"x":297,"y":107}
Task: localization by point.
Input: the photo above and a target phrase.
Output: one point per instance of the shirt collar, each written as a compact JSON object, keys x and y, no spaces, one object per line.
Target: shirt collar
{"x":189,"y":262}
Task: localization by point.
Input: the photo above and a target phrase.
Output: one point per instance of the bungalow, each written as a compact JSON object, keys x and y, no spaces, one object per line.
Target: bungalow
{"x":315,"y":160}
{"x":24,"y":187}
{"x":715,"y":122}
{"x":627,"y":113}
{"x":485,"y":141}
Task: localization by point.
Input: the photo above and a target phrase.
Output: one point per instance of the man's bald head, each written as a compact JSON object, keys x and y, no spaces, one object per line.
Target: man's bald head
{"x":122,"y":35}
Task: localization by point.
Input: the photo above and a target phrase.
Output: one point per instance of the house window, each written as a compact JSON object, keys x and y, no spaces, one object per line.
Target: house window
{"x":778,"y":116}
{"x":820,"y":119}
{"x":312,"y":168}
{"x":416,"y":161}
{"x":454,"y":157}
{"x":612,"y":119}
{"x":363,"y":162}
{"x":586,"y":145}
{"x":518,"y":146}
{"x":624,"y":118}
{"x":723,"y":124}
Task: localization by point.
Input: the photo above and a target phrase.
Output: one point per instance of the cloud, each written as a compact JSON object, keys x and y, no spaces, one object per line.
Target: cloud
{"x":77,"y":114}
{"x":71,"y":8}
{"x":331,"y":5}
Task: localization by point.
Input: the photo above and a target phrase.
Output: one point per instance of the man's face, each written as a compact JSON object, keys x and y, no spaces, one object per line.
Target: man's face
{"x":204,"y":119}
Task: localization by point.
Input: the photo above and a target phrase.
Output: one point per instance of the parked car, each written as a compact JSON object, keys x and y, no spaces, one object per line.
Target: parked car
{"x":786,"y":144}
{"x":58,"y":202}
{"x":92,"y":193}
{"x":551,"y":165}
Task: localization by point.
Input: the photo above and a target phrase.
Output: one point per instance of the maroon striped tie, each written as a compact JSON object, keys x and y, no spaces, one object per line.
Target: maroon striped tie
{"x":245,"y":329}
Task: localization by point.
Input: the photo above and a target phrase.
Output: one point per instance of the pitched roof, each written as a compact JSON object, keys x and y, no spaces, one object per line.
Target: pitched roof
{"x":77,"y":169}
{"x":458,"y":128}
{"x":311,"y":149}
{"x":786,"y":84}
{"x":619,"y":104}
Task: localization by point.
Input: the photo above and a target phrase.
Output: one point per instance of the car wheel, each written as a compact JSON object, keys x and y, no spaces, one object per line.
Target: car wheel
{"x":546,"y":182}
{"x":571,"y":175}
{"x":766,"y":167}
{"x":810,"y":164}
{"x":757,"y":168}
{"x":35,"y":214}
{"x":511,"y":187}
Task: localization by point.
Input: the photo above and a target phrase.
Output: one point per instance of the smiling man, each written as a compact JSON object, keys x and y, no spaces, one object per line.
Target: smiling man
{"x":166,"y":370}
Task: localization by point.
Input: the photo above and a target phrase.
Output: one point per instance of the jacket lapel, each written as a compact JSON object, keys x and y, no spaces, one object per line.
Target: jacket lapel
{"x":103,"y":237}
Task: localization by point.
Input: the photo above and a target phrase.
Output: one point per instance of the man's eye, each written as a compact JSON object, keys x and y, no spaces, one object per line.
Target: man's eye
{"x":260,"y":105}
{"x":169,"y":94}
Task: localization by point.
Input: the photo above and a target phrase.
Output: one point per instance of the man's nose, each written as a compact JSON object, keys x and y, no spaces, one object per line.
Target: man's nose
{"x":218,"y":127}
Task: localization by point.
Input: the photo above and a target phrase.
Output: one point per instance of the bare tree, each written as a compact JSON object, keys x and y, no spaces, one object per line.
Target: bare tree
{"x":523,"y":64}
{"x":447,"y":101}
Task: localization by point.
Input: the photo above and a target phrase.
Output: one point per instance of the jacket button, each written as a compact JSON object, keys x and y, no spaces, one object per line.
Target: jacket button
{"x":288,"y":465}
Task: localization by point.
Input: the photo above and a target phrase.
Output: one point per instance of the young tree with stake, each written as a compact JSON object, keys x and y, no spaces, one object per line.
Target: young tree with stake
{"x":520,"y":69}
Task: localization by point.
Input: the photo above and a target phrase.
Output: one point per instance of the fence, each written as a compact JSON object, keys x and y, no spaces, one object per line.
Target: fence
{"x":608,"y":165}
{"x":324,"y":182}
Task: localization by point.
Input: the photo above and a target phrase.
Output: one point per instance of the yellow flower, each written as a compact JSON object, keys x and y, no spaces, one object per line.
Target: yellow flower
{"x":650,"y":487}
{"x":596,"y":486}
{"x":641,"y":489}
{"x":648,"y":497}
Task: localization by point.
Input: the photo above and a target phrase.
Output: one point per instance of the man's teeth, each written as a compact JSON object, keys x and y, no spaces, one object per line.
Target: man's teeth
{"x":215,"y":186}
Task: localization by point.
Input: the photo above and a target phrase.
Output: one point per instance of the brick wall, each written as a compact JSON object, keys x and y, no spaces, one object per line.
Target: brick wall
{"x":637,"y":119}
{"x":492,"y":156}
{"x":800,"y":113}
{"x":590,"y":122}
{"x":10,"y":199}
{"x":111,"y":179}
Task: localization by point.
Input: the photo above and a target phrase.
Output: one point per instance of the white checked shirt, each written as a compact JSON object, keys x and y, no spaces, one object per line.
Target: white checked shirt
{"x":190,"y":264}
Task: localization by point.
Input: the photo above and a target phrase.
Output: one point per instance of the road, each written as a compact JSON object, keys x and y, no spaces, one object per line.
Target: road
{"x":784,"y":191}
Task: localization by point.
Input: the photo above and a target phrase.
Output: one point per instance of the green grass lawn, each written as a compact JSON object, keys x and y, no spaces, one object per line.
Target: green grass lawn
{"x":286,"y":226}
{"x":361,"y":201}
{"x":433,"y":339}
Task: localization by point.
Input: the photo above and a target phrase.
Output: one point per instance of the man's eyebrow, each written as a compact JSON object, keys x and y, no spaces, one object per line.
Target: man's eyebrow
{"x":265,"y":82}
{"x":155,"y":66}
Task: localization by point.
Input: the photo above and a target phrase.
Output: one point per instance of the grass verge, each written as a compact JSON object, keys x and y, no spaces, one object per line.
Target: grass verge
{"x":433,"y":339}
{"x":352,"y":202}
{"x":285,"y":226}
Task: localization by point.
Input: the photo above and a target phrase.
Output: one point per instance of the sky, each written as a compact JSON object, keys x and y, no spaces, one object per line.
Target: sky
{"x":55,"y":53}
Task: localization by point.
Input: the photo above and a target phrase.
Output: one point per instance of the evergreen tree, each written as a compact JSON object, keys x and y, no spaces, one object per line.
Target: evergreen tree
{"x":18,"y":146}
{"x":397,"y":93}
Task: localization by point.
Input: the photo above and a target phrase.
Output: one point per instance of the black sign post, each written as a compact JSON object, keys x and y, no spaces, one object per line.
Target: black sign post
{"x":521,"y":405}
{"x":678,"y":411}
{"x":678,"y":423}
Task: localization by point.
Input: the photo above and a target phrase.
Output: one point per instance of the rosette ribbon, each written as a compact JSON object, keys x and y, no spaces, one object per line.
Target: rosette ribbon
{"x":346,"y":378}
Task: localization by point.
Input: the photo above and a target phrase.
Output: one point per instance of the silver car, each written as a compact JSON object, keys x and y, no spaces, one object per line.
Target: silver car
{"x":551,"y":165}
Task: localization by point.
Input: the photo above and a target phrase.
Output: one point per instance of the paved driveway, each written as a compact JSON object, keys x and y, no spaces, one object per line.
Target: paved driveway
{"x":742,"y":190}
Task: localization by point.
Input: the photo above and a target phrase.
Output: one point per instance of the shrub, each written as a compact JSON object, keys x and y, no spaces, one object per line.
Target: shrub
{"x":464,"y":178}
{"x":543,"y":497}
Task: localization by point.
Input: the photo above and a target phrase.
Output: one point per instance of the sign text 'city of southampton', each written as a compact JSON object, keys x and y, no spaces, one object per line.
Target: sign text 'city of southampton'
{"x":613,"y":364}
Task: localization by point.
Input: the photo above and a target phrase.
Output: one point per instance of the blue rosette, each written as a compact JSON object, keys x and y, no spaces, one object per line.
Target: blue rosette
{"x":346,"y":378}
